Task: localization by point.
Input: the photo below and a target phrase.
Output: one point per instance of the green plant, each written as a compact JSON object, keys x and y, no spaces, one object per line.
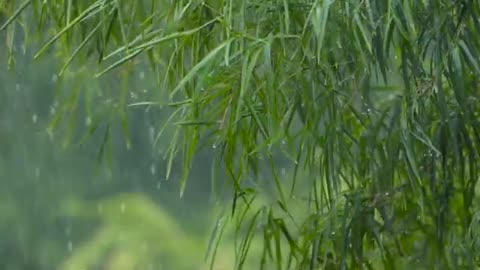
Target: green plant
{"x":375,"y":102}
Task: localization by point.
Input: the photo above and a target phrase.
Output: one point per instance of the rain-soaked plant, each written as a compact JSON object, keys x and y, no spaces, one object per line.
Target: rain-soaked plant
{"x":373,"y":104}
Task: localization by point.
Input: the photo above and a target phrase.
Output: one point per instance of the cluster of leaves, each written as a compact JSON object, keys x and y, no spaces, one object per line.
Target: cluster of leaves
{"x":375,"y":102}
{"x":36,"y":233}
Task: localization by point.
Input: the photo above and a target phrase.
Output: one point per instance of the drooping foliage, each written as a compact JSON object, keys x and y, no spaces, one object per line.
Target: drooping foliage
{"x":373,"y":104}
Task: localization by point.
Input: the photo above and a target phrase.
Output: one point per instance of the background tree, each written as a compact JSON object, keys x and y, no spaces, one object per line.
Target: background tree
{"x":374,"y":102}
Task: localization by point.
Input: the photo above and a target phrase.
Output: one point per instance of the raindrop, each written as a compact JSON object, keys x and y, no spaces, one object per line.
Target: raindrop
{"x":129,"y":146}
{"x":37,"y":173}
{"x":142,"y":75}
{"x":122,"y":207}
{"x":153,"y":170}
{"x":369,"y":110}
{"x":68,"y":230}
{"x":17,"y":87}
{"x":50,"y":134}
{"x":70,"y":246}
{"x":151,"y":132}
{"x":133,"y":95}
{"x":34,"y":118}
{"x":214,"y":146}
{"x":158,"y":185}
{"x":52,"y":110}
{"x":54,"y":77}
{"x":283,"y":171}
{"x":88,"y":121}
{"x":396,"y":57}
{"x":283,"y":141}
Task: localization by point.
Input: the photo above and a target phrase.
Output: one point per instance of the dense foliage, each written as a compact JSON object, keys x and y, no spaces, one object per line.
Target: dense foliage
{"x":373,"y":104}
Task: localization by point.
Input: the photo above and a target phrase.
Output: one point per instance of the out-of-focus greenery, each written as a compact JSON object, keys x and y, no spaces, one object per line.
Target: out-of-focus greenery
{"x":62,"y":209}
{"x":369,"y":107}
{"x":135,"y":233}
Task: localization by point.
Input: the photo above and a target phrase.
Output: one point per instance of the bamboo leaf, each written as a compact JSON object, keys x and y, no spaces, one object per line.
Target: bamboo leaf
{"x":204,"y":62}
{"x":119,"y":62}
{"x":84,"y":42}
{"x":17,"y":13}
{"x":91,"y":10}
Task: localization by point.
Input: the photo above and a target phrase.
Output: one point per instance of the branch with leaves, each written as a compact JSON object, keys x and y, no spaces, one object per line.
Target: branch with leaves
{"x":357,"y":95}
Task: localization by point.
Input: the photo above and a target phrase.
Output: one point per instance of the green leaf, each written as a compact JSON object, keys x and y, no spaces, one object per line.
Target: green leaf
{"x":17,"y":13}
{"x":204,"y":62}
{"x":90,"y":11}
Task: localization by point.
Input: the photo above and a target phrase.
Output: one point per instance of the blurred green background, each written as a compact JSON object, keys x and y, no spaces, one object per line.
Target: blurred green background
{"x":72,"y":200}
